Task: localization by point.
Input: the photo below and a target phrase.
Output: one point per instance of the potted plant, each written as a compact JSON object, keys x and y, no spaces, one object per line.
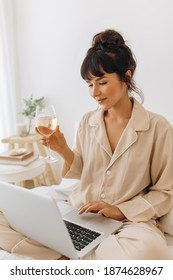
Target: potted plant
{"x":30,"y":110}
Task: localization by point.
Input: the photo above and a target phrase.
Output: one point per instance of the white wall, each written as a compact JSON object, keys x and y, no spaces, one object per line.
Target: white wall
{"x":52,"y":37}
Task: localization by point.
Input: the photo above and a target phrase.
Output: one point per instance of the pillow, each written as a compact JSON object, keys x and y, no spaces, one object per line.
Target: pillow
{"x":167,"y":222}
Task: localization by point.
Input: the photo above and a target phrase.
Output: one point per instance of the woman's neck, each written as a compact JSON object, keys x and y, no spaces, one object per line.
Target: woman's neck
{"x":120,"y":112}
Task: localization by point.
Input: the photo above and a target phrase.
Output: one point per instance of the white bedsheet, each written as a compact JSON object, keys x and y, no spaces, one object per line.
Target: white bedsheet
{"x":4,"y":255}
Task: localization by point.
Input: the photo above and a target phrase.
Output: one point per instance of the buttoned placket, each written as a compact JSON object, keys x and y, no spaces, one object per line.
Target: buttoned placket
{"x":102,"y":194}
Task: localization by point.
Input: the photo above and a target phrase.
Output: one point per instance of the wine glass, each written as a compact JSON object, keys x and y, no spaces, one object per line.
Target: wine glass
{"x":46,"y":122}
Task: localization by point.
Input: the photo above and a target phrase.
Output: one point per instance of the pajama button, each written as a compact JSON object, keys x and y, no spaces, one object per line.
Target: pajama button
{"x":102,"y":195}
{"x":108,"y":172}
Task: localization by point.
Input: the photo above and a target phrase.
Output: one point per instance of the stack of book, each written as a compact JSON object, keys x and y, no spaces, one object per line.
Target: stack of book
{"x":18,"y":156}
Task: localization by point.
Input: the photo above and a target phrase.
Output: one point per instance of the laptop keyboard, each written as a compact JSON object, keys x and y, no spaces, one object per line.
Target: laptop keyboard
{"x":80,"y":236}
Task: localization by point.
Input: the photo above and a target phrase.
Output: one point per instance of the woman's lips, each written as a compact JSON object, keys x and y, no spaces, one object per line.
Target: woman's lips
{"x":100,"y":100}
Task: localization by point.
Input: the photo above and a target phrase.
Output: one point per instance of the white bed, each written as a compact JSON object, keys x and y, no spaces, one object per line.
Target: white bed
{"x":64,"y":189}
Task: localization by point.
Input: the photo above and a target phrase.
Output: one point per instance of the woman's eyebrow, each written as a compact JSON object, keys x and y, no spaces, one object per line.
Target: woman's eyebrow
{"x":98,"y":79}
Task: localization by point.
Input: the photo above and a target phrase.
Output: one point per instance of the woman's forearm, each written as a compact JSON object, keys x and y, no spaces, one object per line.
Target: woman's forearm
{"x":68,"y":155}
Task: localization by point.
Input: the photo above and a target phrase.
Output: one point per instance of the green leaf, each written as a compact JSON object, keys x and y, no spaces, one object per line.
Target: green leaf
{"x":30,"y":106}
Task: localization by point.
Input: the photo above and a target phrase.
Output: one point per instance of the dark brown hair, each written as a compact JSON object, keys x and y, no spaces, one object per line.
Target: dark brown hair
{"x":109,"y":53}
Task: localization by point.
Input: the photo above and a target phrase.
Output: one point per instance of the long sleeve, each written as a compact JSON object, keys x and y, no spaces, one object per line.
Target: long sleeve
{"x":75,"y":170}
{"x":158,"y":198}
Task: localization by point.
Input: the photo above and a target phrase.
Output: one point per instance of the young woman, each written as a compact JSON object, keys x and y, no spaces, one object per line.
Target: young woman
{"x":123,"y":155}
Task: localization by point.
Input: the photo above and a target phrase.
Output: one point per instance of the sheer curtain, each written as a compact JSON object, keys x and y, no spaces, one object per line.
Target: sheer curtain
{"x":7,"y":80}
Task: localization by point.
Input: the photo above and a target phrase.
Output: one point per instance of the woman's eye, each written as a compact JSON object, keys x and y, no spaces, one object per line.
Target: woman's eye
{"x":90,"y":85}
{"x":102,"y":83}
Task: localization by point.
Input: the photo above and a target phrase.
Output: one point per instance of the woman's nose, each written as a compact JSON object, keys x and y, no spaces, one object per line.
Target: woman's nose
{"x":95,"y":91}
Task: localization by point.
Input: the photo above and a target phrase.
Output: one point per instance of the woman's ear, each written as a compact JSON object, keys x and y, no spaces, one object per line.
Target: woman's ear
{"x":128,"y":74}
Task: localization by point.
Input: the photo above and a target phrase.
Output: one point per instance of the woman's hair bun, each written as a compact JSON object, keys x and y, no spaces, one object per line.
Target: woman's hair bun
{"x":109,"y":39}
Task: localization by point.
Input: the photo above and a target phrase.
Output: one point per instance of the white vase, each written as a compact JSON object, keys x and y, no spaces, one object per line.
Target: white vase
{"x":28,"y":123}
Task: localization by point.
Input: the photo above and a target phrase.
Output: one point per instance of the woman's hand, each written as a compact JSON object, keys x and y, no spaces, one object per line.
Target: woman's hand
{"x":57,"y":140}
{"x":102,"y":207}
{"x":57,"y":143}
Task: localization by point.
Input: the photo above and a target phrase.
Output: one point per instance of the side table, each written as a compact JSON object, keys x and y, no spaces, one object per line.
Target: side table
{"x":32,"y":143}
{"x":20,"y":174}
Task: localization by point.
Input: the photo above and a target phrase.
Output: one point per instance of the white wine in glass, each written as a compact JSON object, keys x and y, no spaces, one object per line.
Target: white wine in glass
{"x":46,"y":122}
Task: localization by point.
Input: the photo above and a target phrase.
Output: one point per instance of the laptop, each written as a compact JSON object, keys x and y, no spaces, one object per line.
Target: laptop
{"x":54,"y":224}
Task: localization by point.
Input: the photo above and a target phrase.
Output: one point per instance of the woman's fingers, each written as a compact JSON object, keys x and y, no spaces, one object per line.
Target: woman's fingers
{"x":43,"y":131}
{"x":93,"y":206}
{"x":104,"y":208}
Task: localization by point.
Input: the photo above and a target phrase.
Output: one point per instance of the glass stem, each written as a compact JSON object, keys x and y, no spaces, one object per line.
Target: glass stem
{"x":48,"y":147}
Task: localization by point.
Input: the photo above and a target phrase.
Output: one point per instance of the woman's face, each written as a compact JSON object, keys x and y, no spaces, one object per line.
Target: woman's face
{"x":107,"y":90}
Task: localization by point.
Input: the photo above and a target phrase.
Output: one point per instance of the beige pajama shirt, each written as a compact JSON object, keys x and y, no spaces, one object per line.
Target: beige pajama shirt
{"x":137,"y":178}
